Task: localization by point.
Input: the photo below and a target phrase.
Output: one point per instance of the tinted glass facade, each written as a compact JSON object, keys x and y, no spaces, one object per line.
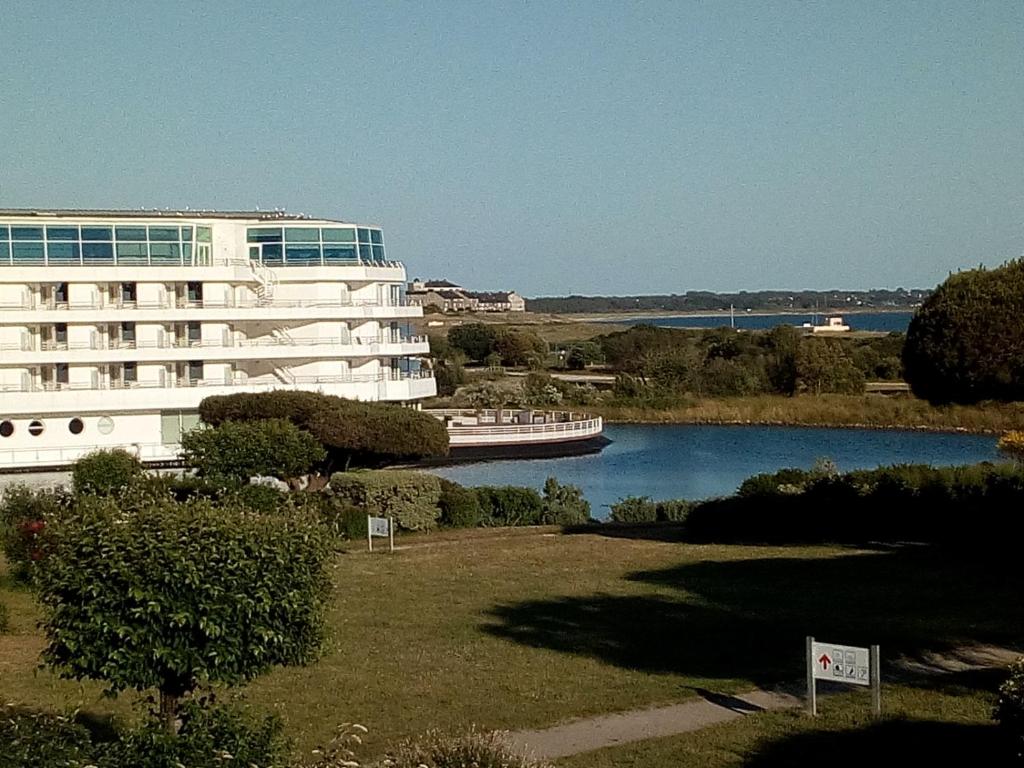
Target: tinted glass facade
{"x":95,"y":245}
{"x":300,"y":246}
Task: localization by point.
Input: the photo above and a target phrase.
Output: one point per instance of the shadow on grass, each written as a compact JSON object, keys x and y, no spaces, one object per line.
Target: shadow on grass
{"x":891,"y":742}
{"x":747,"y":619}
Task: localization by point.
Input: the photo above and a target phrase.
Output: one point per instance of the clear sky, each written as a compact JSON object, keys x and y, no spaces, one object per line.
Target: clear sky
{"x":552,"y":147}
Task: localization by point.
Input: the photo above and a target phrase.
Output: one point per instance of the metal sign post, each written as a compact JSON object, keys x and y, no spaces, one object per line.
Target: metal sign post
{"x":383,"y":527}
{"x":847,"y":664}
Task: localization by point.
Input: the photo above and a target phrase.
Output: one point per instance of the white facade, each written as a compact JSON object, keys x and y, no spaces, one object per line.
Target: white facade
{"x":114,"y":325}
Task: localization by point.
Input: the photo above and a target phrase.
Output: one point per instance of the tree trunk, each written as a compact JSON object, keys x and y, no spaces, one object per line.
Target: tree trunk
{"x":169,"y":712}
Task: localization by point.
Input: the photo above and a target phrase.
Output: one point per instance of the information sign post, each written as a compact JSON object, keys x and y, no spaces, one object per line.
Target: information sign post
{"x":847,"y":664}
{"x":383,"y":527}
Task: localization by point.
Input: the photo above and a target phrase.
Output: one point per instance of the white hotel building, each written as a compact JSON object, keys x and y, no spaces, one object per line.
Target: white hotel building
{"x":114,"y":325}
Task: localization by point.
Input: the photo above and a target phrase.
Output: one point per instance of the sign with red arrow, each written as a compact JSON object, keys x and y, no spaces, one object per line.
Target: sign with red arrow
{"x":824,"y":660}
{"x":841,"y":663}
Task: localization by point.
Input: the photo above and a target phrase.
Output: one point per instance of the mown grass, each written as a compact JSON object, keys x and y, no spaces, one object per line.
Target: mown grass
{"x":919,"y":727}
{"x":526,"y":628}
{"x":871,"y":411}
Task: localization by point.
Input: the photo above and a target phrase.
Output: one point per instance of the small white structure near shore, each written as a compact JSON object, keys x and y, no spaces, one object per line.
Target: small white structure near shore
{"x":832,"y":324}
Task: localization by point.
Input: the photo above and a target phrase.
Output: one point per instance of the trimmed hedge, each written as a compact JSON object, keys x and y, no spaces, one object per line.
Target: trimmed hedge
{"x":353,"y":433}
{"x":239,"y":450}
{"x":411,"y":498}
{"x":460,"y":507}
{"x":106,"y":472}
{"x":642,"y":509}
{"x":509,"y":505}
{"x":976,"y":504}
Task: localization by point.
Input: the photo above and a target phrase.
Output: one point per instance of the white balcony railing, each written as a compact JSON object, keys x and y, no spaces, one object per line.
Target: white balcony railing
{"x":229,"y":341}
{"x":177,"y":303}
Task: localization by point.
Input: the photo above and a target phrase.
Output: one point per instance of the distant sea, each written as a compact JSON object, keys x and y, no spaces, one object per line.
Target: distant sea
{"x":858,"y":321}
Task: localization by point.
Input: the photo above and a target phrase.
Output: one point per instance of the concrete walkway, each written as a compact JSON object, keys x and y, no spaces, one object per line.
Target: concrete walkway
{"x":637,"y":725}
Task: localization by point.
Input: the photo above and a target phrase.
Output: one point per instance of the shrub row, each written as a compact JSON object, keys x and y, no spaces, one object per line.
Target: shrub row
{"x":909,"y":503}
{"x":642,"y":509}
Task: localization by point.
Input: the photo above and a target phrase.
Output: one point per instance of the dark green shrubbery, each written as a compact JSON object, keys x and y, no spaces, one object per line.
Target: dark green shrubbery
{"x":352,"y":433}
{"x":563,"y":504}
{"x":4,"y":620}
{"x":235,"y":451}
{"x":24,"y":515}
{"x":642,"y":509}
{"x":29,"y":738}
{"x":1009,"y":711}
{"x":509,"y":505}
{"x":106,"y":473}
{"x":968,"y":505}
{"x":460,"y":507}
{"x":411,"y":498}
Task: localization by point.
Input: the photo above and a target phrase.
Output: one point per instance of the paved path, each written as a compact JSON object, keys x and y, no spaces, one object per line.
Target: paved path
{"x":637,"y":725}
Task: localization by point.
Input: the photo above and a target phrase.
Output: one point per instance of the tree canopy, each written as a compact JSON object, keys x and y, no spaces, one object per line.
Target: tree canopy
{"x":238,"y":450}
{"x":966,"y":342}
{"x":168,"y":595}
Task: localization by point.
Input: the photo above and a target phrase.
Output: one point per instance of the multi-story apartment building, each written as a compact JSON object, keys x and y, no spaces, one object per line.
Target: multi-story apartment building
{"x":114,"y":325}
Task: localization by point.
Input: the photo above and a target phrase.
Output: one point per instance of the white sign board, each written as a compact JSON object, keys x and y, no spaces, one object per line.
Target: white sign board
{"x":383,"y":527}
{"x":841,"y":663}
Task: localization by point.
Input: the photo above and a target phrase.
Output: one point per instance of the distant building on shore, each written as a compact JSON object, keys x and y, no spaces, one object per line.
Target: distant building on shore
{"x":454,"y":298}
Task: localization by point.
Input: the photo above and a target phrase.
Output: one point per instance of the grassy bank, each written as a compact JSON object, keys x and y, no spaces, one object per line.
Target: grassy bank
{"x":868,"y":411}
{"x":527,"y":628}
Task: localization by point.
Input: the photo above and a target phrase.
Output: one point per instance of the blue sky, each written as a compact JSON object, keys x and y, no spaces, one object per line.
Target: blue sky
{"x":587,"y":147}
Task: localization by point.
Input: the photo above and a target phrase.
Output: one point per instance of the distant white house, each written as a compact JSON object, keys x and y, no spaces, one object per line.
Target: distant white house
{"x":454,"y":298}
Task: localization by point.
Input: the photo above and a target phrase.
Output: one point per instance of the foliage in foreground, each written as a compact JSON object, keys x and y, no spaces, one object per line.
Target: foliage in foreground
{"x":966,"y":342}
{"x":24,"y":515}
{"x":473,"y":749}
{"x":1011,"y":445}
{"x":643,"y":509}
{"x":411,"y":498}
{"x":173,"y":595}
{"x":106,"y":472}
{"x":238,"y":450}
{"x":1009,"y":711}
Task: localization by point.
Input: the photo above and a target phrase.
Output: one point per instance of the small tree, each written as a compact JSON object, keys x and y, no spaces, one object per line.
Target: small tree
{"x":822,"y":365}
{"x":238,"y":450}
{"x":564,"y":504}
{"x":171,"y":596}
{"x":106,"y":473}
{"x":476,"y":340}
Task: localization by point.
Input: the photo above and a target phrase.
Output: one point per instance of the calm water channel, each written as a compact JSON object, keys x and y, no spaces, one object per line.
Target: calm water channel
{"x":692,"y":462}
{"x":858,"y":321}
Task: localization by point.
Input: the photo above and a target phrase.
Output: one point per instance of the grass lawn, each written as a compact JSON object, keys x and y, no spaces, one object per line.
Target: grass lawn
{"x":526,"y":628}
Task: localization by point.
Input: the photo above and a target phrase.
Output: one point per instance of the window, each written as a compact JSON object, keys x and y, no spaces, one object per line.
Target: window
{"x":6,"y":428}
{"x":130,"y":372}
{"x":365,"y":253}
{"x":61,"y":233}
{"x":303,"y":255}
{"x":254,"y":253}
{"x":302,"y":235}
{"x":62,"y":373}
{"x":336,"y":253}
{"x":75,"y":426}
{"x":60,"y":293}
{"x":376,"y":237}
{"x":378,"y":253}
{"x":133,"y":234}
{"x":129,"y":292}
{"x":165,"y":253}
{"x":105,"y":425}
{"x":26,"y":233}
{"x":272,"y":253}
{"x":63,"y":253}
{"x":60,"y":333}
{"x":264,"y":235}
{"x":131,"y":253}
{"x":204,"y":234}
{"x":97,"y":253}
{"x":195,"y":291}
{"x":27,"y":253}
{"x":194,"y":333}
{"x":364,"y":235}
{"x":195,"y":370}
{"x":164,"y":234}
{"x":339,"y":235}
{"x":128,"y":332}
{"x":97,"y":233}
{"x":36,"y":428}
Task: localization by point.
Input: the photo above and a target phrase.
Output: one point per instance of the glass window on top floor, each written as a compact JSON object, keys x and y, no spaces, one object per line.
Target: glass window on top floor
{"x":338,"y":234}
{"x":5,"y":245}
{"x":302,"y":255}
{"x":264,"y":235}
{"x":272,"y":253}
{"x":302,"y":234}
{"x":27,"y":245}
{"x":365,"y":252}
{"x":62,"y":245}
{"x":340,"y":253}
{"x":97,"y":245}
{"x":132,"y":248}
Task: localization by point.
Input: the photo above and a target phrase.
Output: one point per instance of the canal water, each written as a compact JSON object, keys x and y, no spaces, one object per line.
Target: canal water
{"x":858,"y":321}
{"x":694,"y":462}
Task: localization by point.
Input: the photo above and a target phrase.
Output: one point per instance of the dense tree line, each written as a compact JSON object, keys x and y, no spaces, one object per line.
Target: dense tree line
{"x":693,"y":301}
{"x":666,"y":362}
{"x":966,"y":343}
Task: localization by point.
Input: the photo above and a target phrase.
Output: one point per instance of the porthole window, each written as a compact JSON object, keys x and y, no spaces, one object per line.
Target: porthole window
{"x":36,"y":428}
{"x":105,"y":425}
{"x":75,"y":426}
{"x":6,"y":428}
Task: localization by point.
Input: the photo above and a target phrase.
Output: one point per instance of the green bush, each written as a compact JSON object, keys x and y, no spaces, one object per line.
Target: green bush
{"x":509,"y":505}
{"x":563,"y":504}
{"x":634,"y":509}
{"x":474,"y":748}
{"x":47,"y":740}
{"x":211,"y":736}
{"x":239,"y":450}
{"x":352,"y":433}
{"x":409,"y":497}
{"x":106,"y":472}
{"x":341,"y":517}
{"x":24,"y":515}
{"x":673,"y":510}
{"x":1009,"y":712}
{"x":460,"y":507}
